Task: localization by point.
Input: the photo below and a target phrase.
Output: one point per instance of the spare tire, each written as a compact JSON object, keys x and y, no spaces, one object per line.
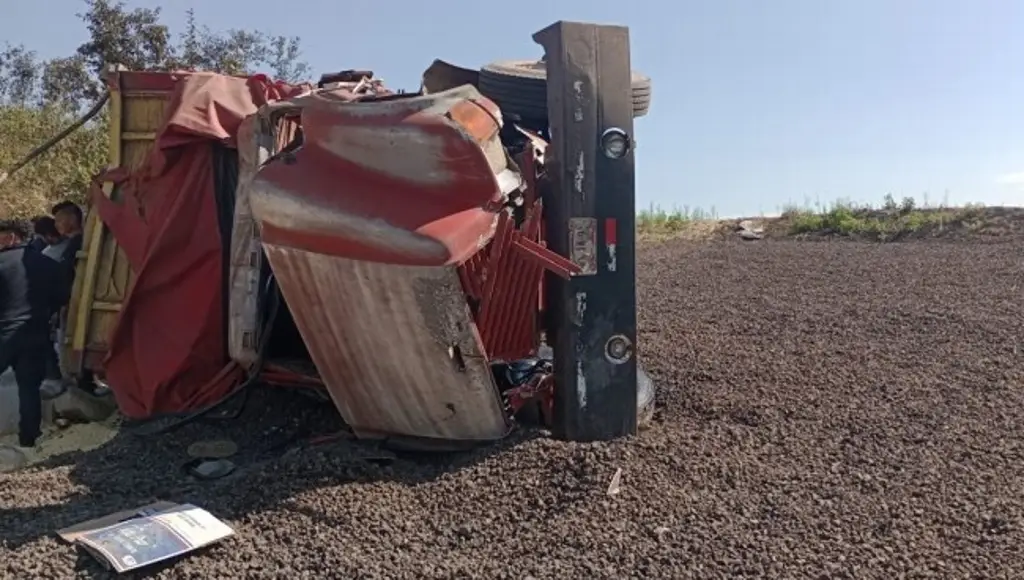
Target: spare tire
{"x":520,"y":87}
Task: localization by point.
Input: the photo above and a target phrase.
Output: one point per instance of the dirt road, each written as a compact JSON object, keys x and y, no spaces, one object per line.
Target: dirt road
{"x":829,"y":410}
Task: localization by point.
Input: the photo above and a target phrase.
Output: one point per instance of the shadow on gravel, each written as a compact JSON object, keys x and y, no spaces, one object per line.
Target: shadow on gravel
{"x":285,"y":448}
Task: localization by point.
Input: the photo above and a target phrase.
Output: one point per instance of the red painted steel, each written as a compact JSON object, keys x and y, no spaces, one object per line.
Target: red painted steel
{"x":505,"y":279}
{"x":393,"y":182}
{"x":539,"y":389}
{"x":364,"y":227}
{"x":611,"y":234}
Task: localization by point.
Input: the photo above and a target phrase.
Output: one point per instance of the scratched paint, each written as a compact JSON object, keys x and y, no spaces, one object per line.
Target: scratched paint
{"x":581,"y":385}
{"x":410,"y":153}
{"x":579,"y":172}
{"x":583,"y":244}
{"x":611,"y":242}
{"x":581,"y":308}
{"x":581,"y":379}
{"x":577,"y":91}
{"x":289,"y":210}
{"x":487,"y":236}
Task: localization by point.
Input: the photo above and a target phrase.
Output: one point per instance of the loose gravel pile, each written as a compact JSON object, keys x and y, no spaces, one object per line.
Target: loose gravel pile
{"x":827,"y":410}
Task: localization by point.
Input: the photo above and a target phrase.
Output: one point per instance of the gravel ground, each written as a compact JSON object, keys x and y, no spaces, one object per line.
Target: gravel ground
{"x":828,"y":410}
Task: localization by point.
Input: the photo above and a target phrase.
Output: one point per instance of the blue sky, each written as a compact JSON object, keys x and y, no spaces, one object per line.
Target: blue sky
{"x":757,"y":104}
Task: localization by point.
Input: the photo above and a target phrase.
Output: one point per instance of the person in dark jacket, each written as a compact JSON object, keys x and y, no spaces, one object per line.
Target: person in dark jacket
{"x":45,"y":229}
{"x":68,"y":218}
{"x":48,"y":241}
{"x":32,"y":289}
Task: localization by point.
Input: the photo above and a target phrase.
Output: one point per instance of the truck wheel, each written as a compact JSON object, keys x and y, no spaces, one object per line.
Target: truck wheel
{"x":520,"y":87}
{"x":645,"y":403}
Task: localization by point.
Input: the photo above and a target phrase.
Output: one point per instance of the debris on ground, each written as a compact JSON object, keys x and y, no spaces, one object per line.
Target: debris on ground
{"x":146,"y":539}
{"x":749,"y":230}
{"x":71,"y":533}
{"x":616,"y":484}
{"x":213,"y":449}
{"x":207,"y":469}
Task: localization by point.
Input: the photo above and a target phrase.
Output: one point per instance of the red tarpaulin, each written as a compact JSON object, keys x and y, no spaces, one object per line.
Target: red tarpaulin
{"x":167,"y":352}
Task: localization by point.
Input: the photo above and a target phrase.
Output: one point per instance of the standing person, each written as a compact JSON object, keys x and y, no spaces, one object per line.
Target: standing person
{"x":32,"y":288}
{"x":45,"y":229}
{"x":49,"y":241}
{"x":68,"y":218}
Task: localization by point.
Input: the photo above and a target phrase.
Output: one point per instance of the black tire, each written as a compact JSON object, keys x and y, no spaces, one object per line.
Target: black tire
{"x":520,"y":87}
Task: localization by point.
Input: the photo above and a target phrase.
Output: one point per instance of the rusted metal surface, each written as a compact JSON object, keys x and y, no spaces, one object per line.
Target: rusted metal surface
{"x":583,"y":248}
{"x":364,"y":227}
{"x":394,"y":345}
{"x":259,"y":137}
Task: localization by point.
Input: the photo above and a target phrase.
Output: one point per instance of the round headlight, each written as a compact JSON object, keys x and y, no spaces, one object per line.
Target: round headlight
{"x":615,"y":143}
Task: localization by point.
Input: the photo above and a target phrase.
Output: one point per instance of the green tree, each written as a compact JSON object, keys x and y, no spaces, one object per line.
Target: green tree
{"x":64,"y":171}
{"x":19,"y":76}
{"x":38,"y":98}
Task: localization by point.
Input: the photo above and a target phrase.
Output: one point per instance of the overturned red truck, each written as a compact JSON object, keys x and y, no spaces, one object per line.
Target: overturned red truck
{"x":441,"y":263}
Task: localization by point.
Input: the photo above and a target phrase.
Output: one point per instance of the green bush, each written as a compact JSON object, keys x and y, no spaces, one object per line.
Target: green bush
{"x":63,"y":172}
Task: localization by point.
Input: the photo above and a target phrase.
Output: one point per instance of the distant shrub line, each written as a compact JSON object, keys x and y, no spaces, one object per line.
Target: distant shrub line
{"x":842,"y":217}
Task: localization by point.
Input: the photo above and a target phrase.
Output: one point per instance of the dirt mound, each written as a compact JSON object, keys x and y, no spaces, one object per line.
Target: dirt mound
{"x":828,"y":410}
{"x":978,"y":224}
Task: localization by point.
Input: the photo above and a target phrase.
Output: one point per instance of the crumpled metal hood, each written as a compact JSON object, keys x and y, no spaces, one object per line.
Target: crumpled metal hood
{"x":364,"y":226}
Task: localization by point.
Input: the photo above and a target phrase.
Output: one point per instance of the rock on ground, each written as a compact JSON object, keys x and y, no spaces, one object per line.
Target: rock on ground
{"x":828,"y":410}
